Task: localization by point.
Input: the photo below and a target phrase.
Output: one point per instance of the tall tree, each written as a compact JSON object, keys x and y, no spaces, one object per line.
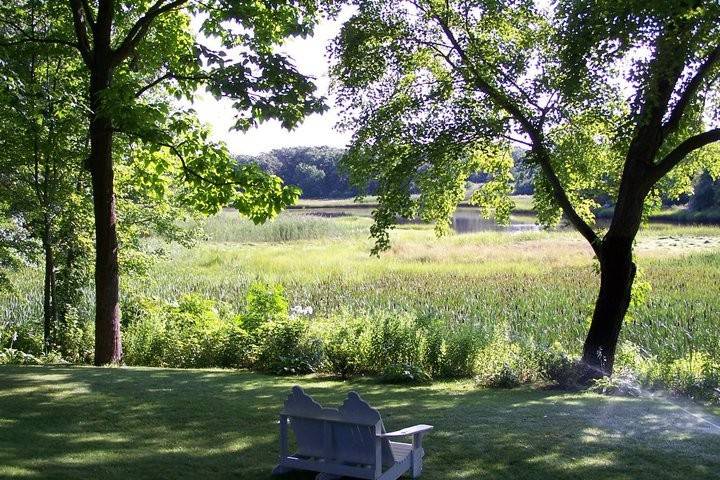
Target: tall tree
{"x":131,"y":49}
{"x":42,"y":142}
{"x":614,"y":98}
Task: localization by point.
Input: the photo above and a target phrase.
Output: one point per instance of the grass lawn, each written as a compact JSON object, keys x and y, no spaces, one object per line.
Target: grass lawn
{"x":141,"y":423}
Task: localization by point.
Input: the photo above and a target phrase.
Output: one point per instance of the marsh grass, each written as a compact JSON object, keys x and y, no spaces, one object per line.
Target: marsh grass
{"x":535,"y":287}
{"x":290,"y":226}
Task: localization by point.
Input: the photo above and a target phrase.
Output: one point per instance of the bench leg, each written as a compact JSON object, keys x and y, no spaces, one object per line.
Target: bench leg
{"x":417,"y":462}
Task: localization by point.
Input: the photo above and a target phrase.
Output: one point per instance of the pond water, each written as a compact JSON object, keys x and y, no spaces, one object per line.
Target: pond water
{"x":468,"y":220}
{"x":465,"y":220}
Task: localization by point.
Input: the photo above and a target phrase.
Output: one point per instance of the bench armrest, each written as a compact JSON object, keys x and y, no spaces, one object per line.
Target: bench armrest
{"x":407,"y":431}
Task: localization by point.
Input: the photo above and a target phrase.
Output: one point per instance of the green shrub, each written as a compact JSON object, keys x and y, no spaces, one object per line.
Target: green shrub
{"x":26,"y":337}
{"x":264,"y":303}
{"x":505,"y":364}
{"x":459,"y":355}
{"x":236,"y":347}
{"x":503,"y":376}
{"x":12,"y":356}
{"x":433,"y":346}
{"x":450,"y":353}
{"x":6,"y":335}
{"x":144,"y":336}
{"x":695,"y":375}
{"x":622,"y":383}
{"x":405,"y":374}
{"x":558,"y":367}
{"x":285,"y":347}
{"x":198,"y":332}
{"x":343,"y":352}
{"x":391,"y":340}
{"x":194,"y":328}
{"x":75,"y":338}
{"x":184,"y":335}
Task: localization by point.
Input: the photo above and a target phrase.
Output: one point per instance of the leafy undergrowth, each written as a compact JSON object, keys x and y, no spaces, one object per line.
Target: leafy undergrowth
{"x":143,"y":423}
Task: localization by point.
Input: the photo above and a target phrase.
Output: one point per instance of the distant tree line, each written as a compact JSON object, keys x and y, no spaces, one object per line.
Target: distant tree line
{"x":318,"y":171}
{"x":706,"y":195}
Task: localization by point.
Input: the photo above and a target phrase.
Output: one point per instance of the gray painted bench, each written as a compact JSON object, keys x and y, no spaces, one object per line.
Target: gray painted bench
{"x":350,"y":441}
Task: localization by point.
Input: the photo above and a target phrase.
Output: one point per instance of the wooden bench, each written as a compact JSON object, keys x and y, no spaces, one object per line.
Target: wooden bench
{"x":346,"y":442}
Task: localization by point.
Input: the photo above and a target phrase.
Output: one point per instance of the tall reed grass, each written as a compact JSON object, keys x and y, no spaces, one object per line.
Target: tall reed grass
{"x":290,"y":226}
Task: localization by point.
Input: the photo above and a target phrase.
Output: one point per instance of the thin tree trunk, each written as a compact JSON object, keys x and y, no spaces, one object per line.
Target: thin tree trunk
{"x":49,"y":313}
{"x":617,"y":273}
{"x":108,"y":347}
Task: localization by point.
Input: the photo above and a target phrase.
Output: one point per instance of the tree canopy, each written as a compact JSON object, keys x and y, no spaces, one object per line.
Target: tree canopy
{"x":612,"y":99}
{"x":137,"y":66}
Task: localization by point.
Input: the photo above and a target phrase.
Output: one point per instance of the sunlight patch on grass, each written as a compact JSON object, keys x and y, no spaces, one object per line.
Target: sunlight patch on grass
{"x":220,"y":424}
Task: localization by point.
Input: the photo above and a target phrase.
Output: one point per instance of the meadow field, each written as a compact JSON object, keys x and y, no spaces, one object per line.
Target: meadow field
{"x":506,"y":297}
{"x":542,"y":282}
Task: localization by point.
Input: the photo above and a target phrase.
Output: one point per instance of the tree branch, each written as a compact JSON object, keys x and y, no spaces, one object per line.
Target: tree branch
{"x":175,"y":150}
{"x":81,"y":33}
{"x":23,"y":37}
{"x":89,"y":14}
{"x":192,"y":173}
{"x":663,"y":73}
{"x":167,"y":76}
{"x":679,"y":153}
{"x":516,"y":140}
{"x":150,"y":85}
{"x":692,"y":87}
{"x":539,"y":148}
{"x":31,"y":39}
{"x":138,"y":31}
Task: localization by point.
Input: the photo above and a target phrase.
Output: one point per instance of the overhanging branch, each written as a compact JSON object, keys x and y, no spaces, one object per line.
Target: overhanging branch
{"x":175,"y":150}
{"x":168,"y":76}
{"x":191,"y":172}
{"x":679,"y":153}
{"x":692,"y":87}
{"x":536,"y":137}
{"x":138,"y":31}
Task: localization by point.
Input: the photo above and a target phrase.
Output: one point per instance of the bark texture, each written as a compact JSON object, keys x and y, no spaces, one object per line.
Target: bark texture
{"x":617,"y":273}
{"x":108,"y":345}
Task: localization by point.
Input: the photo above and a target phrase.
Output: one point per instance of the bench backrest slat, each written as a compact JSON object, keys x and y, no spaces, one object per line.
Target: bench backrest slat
{"x":352,"y":429}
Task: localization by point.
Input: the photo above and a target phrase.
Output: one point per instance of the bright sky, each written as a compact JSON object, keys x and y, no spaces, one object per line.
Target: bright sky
{"x":310,"y":57}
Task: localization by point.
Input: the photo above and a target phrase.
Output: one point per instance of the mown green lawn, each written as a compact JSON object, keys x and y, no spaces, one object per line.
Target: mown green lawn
{"x":142,"y":423}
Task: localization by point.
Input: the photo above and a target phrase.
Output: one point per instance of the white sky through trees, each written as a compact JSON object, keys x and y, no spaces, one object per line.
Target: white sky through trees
{"x":310,"y":57}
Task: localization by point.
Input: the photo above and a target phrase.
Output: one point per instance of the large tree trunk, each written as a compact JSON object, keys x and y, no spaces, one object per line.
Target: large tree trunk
{"x":108,"y":348}
{"x":617,"y":273}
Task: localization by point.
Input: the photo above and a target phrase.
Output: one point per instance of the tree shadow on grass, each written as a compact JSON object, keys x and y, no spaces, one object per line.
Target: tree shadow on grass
{"x":60,"y":422}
